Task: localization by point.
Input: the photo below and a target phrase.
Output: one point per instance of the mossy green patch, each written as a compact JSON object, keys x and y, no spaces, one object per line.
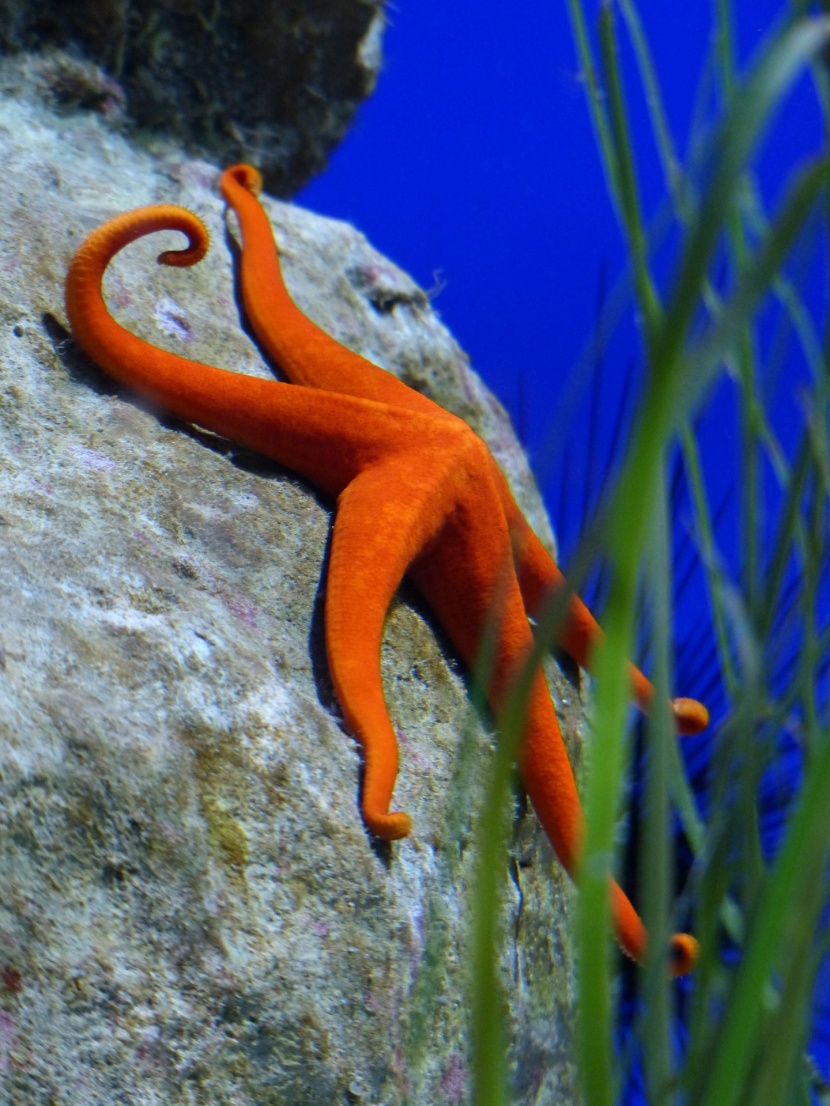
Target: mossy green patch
{"x":223,"y":775}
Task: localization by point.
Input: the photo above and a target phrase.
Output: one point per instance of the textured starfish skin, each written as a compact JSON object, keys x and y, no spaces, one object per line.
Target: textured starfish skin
{"x":417,"y":492}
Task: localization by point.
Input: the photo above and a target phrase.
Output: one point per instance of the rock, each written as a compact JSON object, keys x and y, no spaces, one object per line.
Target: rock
{"x":274,"y":81}
{"x":192,"y":910}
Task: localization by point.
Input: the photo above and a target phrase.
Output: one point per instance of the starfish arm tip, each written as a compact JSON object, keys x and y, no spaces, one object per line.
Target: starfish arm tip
{"x":243,"y":175}
{"x":683,"y":952}
{"x":391,"y":826}
{"x":690,"y":716}
{"x":182,"y":259}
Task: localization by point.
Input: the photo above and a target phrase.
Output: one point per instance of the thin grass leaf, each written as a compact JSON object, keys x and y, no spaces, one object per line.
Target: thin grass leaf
{"x":488,"y":1031}
{"x":818,"y":439}
{"x":488,"y":1023}
{"x":821,"y":76}
{"x":658,"y":871}
{"x":789,"y":527}
{"x":594,"y":1008}
{"x":627,"y":189}
{"x":706,"y":534}
{"x":703,"y":360}
{"x":725,"y":46}
{"x":749,"y":113}
{"x":786,"y":1034}
{"x":672,"y":171}
{"x":712,"y":884}
{"x":803,"y":853}
{"x":794,"y":309}
{"x":809,"y":656}
{"x":596,"y":103}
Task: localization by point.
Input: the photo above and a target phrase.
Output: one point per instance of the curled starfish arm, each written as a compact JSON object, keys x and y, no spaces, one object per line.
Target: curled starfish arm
{"x":104,"y":340}
{"x":324,"y":437}
{"x":302,"y":350}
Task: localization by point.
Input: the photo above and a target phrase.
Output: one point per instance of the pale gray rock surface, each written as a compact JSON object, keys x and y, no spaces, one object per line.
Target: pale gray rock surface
{"x":192,"y":912}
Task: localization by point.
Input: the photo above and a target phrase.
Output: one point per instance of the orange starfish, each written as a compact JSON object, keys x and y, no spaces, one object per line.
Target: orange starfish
{"x":417,"y":491}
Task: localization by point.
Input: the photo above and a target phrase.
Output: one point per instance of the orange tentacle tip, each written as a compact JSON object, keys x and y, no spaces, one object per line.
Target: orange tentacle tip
{"x":690,"y":716}
{"x":198,"y":244}
{"x":390,"y":827}
{"x":683,"y":951}
{"x":246,"y":175}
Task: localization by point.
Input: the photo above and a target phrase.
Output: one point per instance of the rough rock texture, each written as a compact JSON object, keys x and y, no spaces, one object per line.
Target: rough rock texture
{"x":192,"y":912}
{"x":274,"y":81}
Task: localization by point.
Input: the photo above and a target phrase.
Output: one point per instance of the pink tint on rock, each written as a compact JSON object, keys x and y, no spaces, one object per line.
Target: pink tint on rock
{"x":244,"y":610}
{"x":8,"y":1039}
{"x":399,"y":1070}
{"x":172,"y":320}
{"x":118,"y":294}
{"x":454,"y":1079}
{"x":93,"y":459}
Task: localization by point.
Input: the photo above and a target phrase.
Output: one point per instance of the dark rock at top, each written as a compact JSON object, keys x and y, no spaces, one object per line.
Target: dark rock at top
{"x":275,"y":82}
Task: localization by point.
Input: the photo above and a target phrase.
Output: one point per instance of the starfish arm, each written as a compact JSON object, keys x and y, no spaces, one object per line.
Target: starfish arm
{"x":633,"y":939}
{"x":326,"y":438}
{"x":539,"y":578}
{"x":304,"y":352}
{"x":470,"y":582}
{"x":375,"y":538}
{"x":548,"y":779}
